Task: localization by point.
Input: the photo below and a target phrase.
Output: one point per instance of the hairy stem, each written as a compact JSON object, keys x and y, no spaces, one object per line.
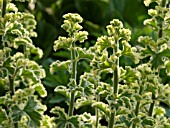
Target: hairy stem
{"x":4,"y":8}
{"x":73,"y":76}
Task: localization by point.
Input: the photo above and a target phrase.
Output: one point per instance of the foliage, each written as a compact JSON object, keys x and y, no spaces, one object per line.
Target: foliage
{"x":113,"y":77}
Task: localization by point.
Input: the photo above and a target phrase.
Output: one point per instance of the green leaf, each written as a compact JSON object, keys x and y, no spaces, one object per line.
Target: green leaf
{"x":57,"y":99}
{"x":130,"y":52}
{"x":103,"y":43}
{"x":62,"y":90}
{"x":122,"y":111}
{"x":62,"y":43}
{"x":102,"y":107}
{"x":3,"y":115}
{"x":83,"y":54}
{"x":167,"y":65}
{"x":32,"y":109}
{"x":82,"y":102}
{"x":27,"y":73}
{"x":129,"y":75}
{"x":62,"y":120}
{"x":81,"y":36}
{"x":87,"y":86}
{"x":40,"y":89}
{"x":159,"y":111}
{"x":148,"y":121}
{"x":58,"y":66}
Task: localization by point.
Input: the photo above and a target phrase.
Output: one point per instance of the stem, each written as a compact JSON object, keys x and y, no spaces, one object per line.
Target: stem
{"x":137,"y":105}
{"x":73,"y":76}
{"x":97,"y":111}
{"x":97,"y":99}
{"x":112,"y":120}
{"x":4,"y":8}
{"x":115,"y":88}
{"x":11,"y":84}
{"x":15,"y":125}
{"x":116,"y":80}
{"x":152,"y":105}
{"x":71,"y":107}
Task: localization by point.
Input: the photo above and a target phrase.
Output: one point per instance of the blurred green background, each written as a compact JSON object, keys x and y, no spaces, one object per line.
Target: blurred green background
{"x":96,"y":14}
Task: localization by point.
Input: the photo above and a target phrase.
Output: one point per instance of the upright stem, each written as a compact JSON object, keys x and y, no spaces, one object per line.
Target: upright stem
{"x":4,"y":8}
{"x":97,"y":99}
{"x":97,"y":112}
{"x":137,"y":105}
{"x":112,"y":120}
{"x":11,"y":84}
{"x":115,"y":88}
{"x":73,"y":76}
{"x":152,"y":105}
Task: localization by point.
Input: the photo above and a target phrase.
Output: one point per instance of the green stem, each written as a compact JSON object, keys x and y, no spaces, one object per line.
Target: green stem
{"x":115,"y":87}
{"x":116,"y":80}
{"x":137,"y":106}
{"x":73,"y":76}
{"x":11,"y":84}
{"x":15,"y":125}
{"x":138,"y":103}
{"x":112,"y":119}
{"x":4,"y":8}
{"x":97,"y":79}
{"x":152,"y":105}
{"x":97,"y":112}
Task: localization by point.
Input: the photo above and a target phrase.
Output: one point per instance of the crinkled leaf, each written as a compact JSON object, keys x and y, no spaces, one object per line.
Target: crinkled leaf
{"x":156,"y":58}
{"x":81,"y":36}
{"x":27,"y":73}
{"x":40,"y":89}
{"x":82,"y":102}
{"x":129,"y":75}
{"x":122,"y":110}
{"x":103,"y":42}
{"x":87,"y":86}
{"x":62,"y":90}
{"x":32,"y":109}
{"x":102,"y":107}
{"x":84,"y":54}
{"x":22,"y":41}
{"x":62,"y":43}
{"x":130,"y":52}
{"x":57,"y":66}
{"x":62,"y":120}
